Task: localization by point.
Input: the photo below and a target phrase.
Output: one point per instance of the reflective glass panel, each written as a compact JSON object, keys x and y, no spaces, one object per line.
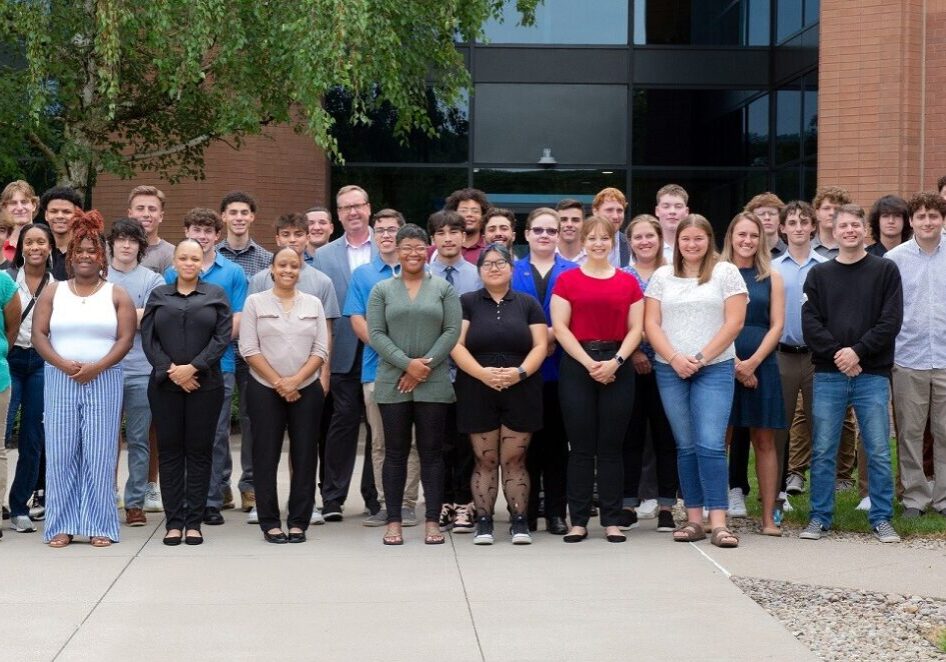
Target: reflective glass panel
{"x":597,"y":22}
{"x":702,"y":22}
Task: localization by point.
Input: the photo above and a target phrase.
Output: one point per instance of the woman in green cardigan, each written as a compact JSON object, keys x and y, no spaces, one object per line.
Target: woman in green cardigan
{"x":413,"y":323}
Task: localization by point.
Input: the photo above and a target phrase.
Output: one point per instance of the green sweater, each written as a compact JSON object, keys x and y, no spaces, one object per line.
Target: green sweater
{"x":400,"y":330}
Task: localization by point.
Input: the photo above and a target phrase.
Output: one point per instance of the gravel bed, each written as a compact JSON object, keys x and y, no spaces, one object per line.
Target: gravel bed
{"x":842,"y":624}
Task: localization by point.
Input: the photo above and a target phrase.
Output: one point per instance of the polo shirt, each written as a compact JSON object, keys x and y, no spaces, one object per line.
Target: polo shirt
{"x":251,"y":258}
{"x":363,"y":279}
{"x":500,"y":328}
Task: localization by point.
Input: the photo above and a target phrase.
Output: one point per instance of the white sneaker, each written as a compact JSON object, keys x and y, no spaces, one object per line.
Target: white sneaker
{"x":153,"y":502}
{"x":316,"y":516}
{"x":647,"y":509}
{"x":252,"y":517}
{"x":786,"y":504}
{"x":737,"y":503}
{"x":864,"y":504}
{"x":119,"y":501}
{"x":22,"y":524}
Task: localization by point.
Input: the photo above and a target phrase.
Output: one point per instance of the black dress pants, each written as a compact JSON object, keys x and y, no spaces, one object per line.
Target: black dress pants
{"x":341,"y":442}
{"x":426,"y":421}
{"x":271,"y":417}
{"x":648,"y":413}
{"x":457,"y":461}
{"x":548,"y":457}
{"x":185,"y":424}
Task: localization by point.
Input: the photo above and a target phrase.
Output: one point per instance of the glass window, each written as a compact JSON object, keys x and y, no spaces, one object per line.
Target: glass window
{"x":786,"y":184}
{"x":700,"y":127}
{"x":580,"y":124}
{"x":812,"y":8}
{"x":716,"y":194}
{"x":788,"y":117}
{"x":702,"y":22}
{"x":415,"y":192}
{"x":810,"y":115}
{"x":563,"y":22}
{"x":375,"y":142}
{"x":788,"y":20}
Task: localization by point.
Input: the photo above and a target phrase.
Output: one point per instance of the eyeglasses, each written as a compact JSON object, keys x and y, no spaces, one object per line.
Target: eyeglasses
{"x":384,"y":231}
{"x":348,"y":208}
{"x":416,"y":250}
{"x":489,"y":265}
{"x":540,"y":231}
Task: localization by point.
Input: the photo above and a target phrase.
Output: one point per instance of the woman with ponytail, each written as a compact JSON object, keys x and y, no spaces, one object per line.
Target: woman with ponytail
{"x":82,"y":328}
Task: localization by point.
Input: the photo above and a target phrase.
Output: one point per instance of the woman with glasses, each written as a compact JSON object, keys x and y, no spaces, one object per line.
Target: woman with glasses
{"x":503,"y":341}
{"x":413,"y":323}
{"x":598,"y":317}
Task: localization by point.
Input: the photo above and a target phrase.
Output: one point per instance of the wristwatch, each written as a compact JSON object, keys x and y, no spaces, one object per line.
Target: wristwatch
{"x":699,"y":358}
{"x":619,"y":359}
{"x":522,"y":373}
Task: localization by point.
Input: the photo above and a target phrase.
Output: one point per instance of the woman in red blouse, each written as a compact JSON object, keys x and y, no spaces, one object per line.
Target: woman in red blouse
{"x":598,"y":317}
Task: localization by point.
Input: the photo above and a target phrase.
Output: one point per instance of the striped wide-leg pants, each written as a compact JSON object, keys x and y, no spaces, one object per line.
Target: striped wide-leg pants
{"x":81,"y":453}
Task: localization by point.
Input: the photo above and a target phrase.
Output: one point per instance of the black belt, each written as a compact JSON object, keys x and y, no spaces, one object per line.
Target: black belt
{"x":489,"y":357}
{"x":793,"y":349}
{"x":601,"y":346}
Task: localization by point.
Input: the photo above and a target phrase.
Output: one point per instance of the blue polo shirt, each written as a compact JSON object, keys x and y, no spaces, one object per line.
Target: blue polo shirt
{"x":232,"y":280}
{"x":362,"y":280}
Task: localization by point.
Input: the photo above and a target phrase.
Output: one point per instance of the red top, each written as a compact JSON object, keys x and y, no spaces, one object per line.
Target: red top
{"x":9,"y":250}
{"x":599,"y":305}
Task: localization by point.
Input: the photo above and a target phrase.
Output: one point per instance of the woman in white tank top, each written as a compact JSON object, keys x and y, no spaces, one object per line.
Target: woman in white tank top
{"x":82,"y":328}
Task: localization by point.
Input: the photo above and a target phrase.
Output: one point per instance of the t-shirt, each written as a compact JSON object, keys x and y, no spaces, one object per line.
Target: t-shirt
{"x":690,"y":313}
{"x":7,"y":291}
{"x":500,"y":328}
{"x":138,"y":283}
{"x":599,"y":305}
{"x":158,"y":257}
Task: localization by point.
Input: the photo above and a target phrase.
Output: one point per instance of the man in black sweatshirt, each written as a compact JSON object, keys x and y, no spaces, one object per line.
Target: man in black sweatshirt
{"x":851,"y":316}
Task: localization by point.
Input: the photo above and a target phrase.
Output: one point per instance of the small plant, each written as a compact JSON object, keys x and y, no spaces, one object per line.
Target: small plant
{"x":937,"y":637}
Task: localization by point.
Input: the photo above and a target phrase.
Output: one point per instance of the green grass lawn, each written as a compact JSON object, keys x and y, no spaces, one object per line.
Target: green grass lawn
{"x":846,"y":518}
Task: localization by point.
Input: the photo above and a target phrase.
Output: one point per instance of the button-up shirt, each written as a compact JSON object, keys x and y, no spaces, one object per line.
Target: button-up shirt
{"x":579,"y":259}
{"x":251,"y":258}
{"x":358,"y":254}
{"x":920,"y":343}
{"x":823,"y":250}
{"x":363,"y":279}
{"x":465,"y":279}
{"x":794,"y":275}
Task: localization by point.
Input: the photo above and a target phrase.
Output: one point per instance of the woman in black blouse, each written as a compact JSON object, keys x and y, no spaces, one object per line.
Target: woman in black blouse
{"x":503,"y":341}
{"x":184,"y":332}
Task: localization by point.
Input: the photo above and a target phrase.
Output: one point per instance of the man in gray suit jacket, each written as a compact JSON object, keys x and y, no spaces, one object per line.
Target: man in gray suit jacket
{"x":337,"y":260}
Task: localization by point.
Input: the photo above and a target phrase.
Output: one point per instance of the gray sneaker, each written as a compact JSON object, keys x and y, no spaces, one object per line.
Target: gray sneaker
{"x":911,"y":513}
{"x":884,"y":532}
{"x":22,"y":524}
{"x":408,"y":516}
{"x":795,"y":484}
{"x":813,"y":531}
{"x":380,"y":518}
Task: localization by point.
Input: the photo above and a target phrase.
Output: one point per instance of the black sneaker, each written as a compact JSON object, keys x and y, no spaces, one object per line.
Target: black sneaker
{"x":484,"y":531}
{"x":627,"y":520}
{"x":212,"y":516}
{"x":520,"y":530}
{"x":6,"y":513}
{"x":665,"y":521}
{"x":332,"y":511}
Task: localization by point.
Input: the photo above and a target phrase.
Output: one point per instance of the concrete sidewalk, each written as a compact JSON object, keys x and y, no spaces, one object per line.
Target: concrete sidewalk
{"x":344,"y":596}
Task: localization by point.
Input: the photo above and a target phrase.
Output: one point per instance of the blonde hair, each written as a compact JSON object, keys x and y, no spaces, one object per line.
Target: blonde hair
{"x":709,"y":259}
{"x":11,"y":189}
{"x":593,"y":223}
{"x":655,"y":224}
{"x":762,"y":261}
{"x":152,"y":191}
{"x":675,"y":190}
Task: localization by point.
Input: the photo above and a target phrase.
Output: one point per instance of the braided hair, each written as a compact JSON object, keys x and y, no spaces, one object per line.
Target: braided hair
{"x":88,"y":225}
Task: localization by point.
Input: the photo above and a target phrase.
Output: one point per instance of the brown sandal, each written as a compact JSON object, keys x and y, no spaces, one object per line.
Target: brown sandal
{"x":100,"y":541}
{"x":772,"y":531}
{"x":723,"y":537}
{"x":433,"y":536}
{"x":60,"y":540}
{"x":689,"y":532}
{"x":392,"y":538}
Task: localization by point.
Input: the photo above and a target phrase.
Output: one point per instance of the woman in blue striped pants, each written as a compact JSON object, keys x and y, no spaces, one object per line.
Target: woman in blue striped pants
{"x":82,"y":328}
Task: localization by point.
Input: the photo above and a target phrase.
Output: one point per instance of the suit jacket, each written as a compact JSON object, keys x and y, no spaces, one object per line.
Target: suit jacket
{"x":522,"y":281}
{"x":332,"y":260}
{"x":624,"y":251}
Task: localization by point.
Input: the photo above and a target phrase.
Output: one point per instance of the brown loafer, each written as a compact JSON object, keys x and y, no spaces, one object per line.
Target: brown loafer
{"x":135,"y":517}
{"x":247,"y":501}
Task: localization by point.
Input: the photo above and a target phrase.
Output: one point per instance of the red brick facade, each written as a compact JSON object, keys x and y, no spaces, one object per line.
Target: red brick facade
{"x":282,"y":170}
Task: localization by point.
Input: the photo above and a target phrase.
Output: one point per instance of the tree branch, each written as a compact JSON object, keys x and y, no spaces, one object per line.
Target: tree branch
{"x":46,"y":150}
{"x":193,"y":142}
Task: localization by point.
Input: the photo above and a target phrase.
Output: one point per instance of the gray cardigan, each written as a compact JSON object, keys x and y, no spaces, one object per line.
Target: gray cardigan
{"x":400,"y":330}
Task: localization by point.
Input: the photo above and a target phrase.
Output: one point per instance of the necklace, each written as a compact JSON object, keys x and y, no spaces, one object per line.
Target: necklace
{"x":72,"y":286}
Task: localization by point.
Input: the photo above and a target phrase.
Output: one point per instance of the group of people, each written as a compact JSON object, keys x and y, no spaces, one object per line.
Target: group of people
{"x":612,"y":364}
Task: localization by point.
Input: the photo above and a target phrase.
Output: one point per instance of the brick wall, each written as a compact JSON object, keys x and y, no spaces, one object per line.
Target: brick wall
{"x":934,"y":138}
{"x":282,"y":170}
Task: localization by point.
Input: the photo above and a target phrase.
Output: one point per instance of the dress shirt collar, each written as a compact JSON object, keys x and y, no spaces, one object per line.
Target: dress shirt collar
{"x":508,"y":296}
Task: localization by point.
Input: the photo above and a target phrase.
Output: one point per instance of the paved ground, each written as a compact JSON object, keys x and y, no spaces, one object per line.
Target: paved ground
{"x":343,"y":596}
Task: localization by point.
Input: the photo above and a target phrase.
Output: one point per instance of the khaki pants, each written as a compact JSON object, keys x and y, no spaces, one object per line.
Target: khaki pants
{"x":918,"y":396}
{"x":797,"y":373}
{"x":373,"y":414}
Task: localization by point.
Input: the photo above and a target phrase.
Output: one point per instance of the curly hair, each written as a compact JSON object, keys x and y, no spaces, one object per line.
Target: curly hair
{"x":88,"y":225}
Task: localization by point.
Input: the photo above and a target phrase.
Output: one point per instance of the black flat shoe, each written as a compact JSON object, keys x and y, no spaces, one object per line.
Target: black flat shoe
{"x":575,"y":537}
{"x":276,"y":538}
{"x":297,"y":537}
{"x":212,"y":516}
{"x":193,"y":540}
{"x":616,"y":537}
{"x":556,"y":526}
{"x":171,"y":541}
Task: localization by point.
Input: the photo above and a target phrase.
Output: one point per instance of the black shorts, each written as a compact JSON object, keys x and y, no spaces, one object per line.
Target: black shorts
{"x":482,"y":409}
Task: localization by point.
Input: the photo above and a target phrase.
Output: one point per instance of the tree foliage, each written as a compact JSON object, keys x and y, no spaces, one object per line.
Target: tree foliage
{"x":124,"y":86}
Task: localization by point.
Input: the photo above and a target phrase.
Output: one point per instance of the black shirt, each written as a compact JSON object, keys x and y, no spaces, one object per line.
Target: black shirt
{"x":59,"y":264}
{"x":499,"y":332}
{"x":187,"y":328}
{"x":857,"y":305}
{"x":541,"y":282}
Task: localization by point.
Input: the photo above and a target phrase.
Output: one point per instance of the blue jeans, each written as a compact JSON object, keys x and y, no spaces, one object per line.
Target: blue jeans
{"x":698,"y":411}
{"x":137,"y":421}
{"x":222,"y":461}
{"x":869,"y":395}
{"x":26,"y":373}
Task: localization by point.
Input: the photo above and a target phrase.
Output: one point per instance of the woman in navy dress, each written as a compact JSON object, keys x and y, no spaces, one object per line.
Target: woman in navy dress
{"x":757,"y":401}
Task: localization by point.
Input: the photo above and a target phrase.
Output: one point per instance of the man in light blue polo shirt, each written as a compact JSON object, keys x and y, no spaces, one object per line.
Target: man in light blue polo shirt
{"x":204,"y":226}
{"x":382,"y":266}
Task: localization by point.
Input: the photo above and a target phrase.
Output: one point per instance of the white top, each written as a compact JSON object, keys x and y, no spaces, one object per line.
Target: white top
{"x":358,"y":254}
{"x":83,"y":329}
{"x":920,"y":341}
{"x":690,"y":313}
{"x":24,"y":336}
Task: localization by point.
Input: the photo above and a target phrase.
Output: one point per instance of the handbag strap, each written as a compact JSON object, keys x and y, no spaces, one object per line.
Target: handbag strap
{"x":39,"y":290}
